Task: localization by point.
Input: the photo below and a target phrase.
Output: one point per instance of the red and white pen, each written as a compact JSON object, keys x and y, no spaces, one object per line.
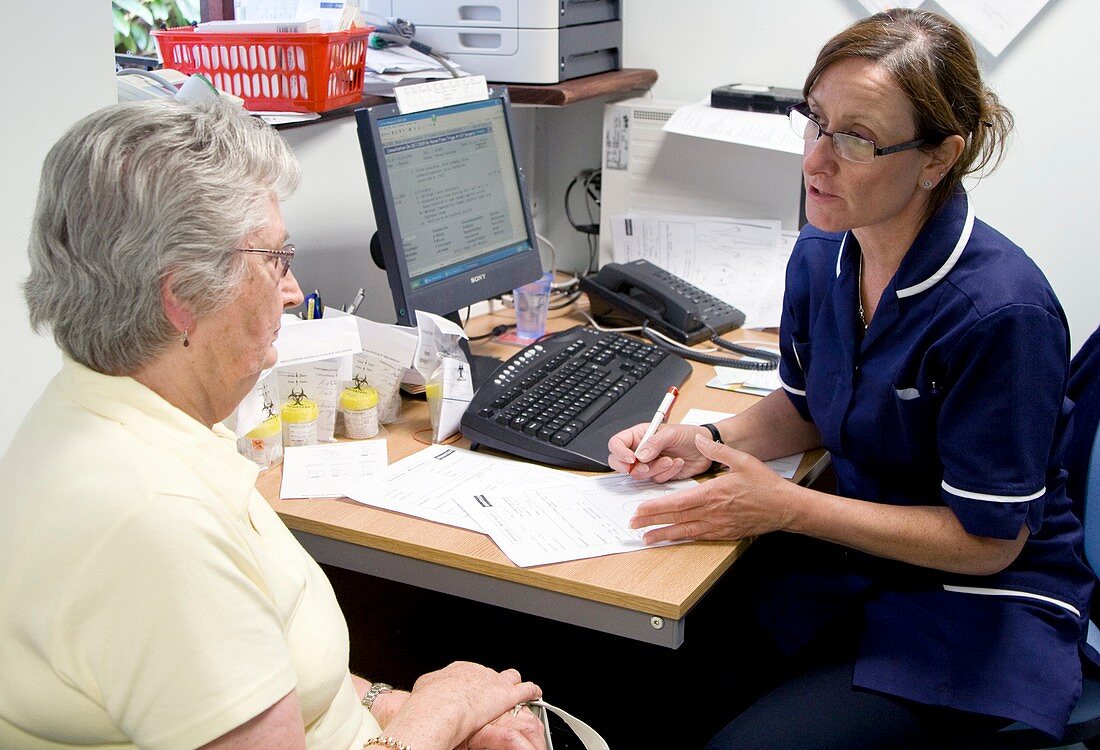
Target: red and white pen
{"x":659,"y":416}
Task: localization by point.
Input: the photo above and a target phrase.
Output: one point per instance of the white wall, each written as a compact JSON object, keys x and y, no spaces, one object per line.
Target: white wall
{"x":57,"y":67}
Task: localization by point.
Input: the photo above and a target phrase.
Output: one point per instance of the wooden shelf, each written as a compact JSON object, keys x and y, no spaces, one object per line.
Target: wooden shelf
{"x":578,"y":89}
{"x":545,"y":95}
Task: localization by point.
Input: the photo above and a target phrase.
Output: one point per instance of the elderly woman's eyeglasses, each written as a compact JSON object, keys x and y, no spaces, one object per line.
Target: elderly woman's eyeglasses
{"x":851,"y":147}
{"x":283,"y":256}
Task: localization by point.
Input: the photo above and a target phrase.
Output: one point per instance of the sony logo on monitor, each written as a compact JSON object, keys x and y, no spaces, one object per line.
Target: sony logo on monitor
{"x":475,"y":279}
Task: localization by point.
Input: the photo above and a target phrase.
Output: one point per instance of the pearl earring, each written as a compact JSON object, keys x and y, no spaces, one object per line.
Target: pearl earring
{"x":927,"y":184}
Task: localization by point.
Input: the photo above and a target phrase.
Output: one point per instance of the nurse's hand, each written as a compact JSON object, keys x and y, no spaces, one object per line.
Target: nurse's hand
{"x":748,"y":501}
{"x":670,"y":454}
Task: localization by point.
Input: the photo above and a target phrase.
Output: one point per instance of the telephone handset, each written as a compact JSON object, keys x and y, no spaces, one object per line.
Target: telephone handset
{"x":639,"y":292}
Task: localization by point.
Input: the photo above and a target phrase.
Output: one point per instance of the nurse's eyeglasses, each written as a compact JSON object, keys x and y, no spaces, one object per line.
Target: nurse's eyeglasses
{"x":851,"y":147}
{"x":283,"y":256}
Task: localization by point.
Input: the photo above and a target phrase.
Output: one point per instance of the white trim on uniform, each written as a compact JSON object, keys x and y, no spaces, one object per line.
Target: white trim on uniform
{"x":1012,"y":592}
{"x":840,"y":253}
{"x":788,"y":389}
{"x":968,"y":227}
{"x":993,"y":498}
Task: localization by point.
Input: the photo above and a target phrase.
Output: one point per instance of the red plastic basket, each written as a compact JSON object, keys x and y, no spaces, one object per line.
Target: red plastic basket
{"x":273,"y":72}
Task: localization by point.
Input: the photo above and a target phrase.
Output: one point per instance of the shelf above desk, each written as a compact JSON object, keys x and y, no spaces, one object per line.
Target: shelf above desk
{"x":549,"y":95}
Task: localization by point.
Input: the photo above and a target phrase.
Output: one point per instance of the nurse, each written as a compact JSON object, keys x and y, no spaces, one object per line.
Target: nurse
{"x":939,"y":594}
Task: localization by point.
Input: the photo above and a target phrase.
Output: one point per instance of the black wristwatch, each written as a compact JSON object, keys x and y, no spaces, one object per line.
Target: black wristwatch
{"x":716,"y":436}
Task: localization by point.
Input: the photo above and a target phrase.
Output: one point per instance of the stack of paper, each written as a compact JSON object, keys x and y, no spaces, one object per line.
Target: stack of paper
{"x":740,"y":261}
{"x":393,"y":66}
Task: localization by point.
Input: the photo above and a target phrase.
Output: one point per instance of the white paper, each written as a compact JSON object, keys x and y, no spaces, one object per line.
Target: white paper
{"x":441,"y":93}
{"x":388,"y":351}
{"x":302,"y":341}
{"x":429,"y":326}
{"x":258,"y":405}
{"x":993,"y":23}
{"x":761,"y":380}
{"x":328,"y":470}
{"x":742,"y":262}
{"x":425,"y":484}
{"x":760,"y":129}
{"x":265,"y":10}
{"x":549,"y":523}
{"x":784,"y":467}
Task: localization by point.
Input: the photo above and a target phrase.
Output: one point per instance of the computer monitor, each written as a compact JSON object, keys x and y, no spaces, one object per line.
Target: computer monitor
{"x":454,"y":224}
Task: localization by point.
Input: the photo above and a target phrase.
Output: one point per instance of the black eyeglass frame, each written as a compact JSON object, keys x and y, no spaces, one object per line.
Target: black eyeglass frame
{"x":803,"y":108}
{"x":284,"y":255}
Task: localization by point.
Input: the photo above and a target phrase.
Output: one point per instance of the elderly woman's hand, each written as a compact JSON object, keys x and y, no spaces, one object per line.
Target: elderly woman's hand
{"x":749,"y":501}
{"x":517,"y":729}
{"x":448,"y":707}
{"x":670,"y":454}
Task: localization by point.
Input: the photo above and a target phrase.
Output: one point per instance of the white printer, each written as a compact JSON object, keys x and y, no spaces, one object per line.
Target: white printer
{"x":517,"y":41}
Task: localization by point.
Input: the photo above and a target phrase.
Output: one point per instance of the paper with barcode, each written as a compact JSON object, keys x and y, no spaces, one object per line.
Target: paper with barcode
{"x":538,"y":524}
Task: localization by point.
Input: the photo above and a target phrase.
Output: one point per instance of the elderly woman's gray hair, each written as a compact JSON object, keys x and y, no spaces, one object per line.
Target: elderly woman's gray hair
{"x":137,"y":194}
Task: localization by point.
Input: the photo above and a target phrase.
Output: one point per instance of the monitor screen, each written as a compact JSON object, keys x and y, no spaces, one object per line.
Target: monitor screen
{"x":454,"y":226}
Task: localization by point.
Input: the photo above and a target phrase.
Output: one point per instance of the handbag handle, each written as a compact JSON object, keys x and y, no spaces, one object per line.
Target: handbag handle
{"x":588,"y":736}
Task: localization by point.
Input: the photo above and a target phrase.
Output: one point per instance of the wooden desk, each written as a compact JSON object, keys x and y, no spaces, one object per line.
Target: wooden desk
{"x":643,"y":595}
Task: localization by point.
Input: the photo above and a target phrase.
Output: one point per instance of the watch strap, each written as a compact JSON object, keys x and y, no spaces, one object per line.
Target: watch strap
{"x":716,"y":436}
{"x":376,"y":689}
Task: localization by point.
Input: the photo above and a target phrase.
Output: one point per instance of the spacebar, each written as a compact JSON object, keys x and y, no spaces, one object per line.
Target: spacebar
{"x":595,"y":409}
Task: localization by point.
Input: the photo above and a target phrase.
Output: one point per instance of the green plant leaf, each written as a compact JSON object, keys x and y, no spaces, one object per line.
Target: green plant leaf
{"x":189,"y":9}
{"x":136,"y":8}
{"x":141,"y":39}
{"x":160,"y":10}
{"x":121,"y":23}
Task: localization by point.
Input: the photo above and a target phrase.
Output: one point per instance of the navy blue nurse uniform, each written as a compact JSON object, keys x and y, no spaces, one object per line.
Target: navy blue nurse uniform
{"x":955,"y":396}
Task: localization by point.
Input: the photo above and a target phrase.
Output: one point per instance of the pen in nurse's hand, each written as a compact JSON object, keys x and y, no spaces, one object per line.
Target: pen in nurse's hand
{"x":658,"y":416}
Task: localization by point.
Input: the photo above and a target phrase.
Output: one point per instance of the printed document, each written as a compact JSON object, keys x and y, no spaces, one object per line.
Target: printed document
{"x":742,"y":262}
{"x":326,"y":470}
{"x":539,"y":524}
{"x":426,"y":483}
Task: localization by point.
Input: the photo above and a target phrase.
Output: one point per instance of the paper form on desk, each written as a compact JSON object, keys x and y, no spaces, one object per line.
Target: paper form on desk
{"x":784,"y":467}
{"x":426,"y":483}
{"x":539,"y":524}
{"x":740,"y":261}
{"x":326,"y":470}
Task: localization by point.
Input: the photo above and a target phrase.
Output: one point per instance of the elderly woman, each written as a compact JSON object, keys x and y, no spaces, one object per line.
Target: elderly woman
{"x":150,"y":597}
{"x":939,"y":594}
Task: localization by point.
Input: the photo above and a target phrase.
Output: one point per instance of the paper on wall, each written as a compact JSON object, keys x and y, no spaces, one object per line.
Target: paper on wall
{"x":741,"y":261}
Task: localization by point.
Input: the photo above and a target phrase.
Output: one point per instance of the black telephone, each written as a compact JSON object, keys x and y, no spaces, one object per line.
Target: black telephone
{"x":639,"y":292}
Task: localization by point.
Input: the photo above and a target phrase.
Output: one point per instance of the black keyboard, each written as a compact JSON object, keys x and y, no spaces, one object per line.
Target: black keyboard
{"x":560,"y":400}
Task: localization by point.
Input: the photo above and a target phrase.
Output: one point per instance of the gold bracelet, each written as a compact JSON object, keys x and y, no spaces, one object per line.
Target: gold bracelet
{"x":384,"y":741}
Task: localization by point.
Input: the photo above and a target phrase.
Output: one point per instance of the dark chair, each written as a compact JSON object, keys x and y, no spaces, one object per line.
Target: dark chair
{"x":1084,"y":722}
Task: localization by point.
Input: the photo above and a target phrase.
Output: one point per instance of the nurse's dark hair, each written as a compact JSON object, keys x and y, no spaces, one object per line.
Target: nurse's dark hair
{"x":935,"y":65}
